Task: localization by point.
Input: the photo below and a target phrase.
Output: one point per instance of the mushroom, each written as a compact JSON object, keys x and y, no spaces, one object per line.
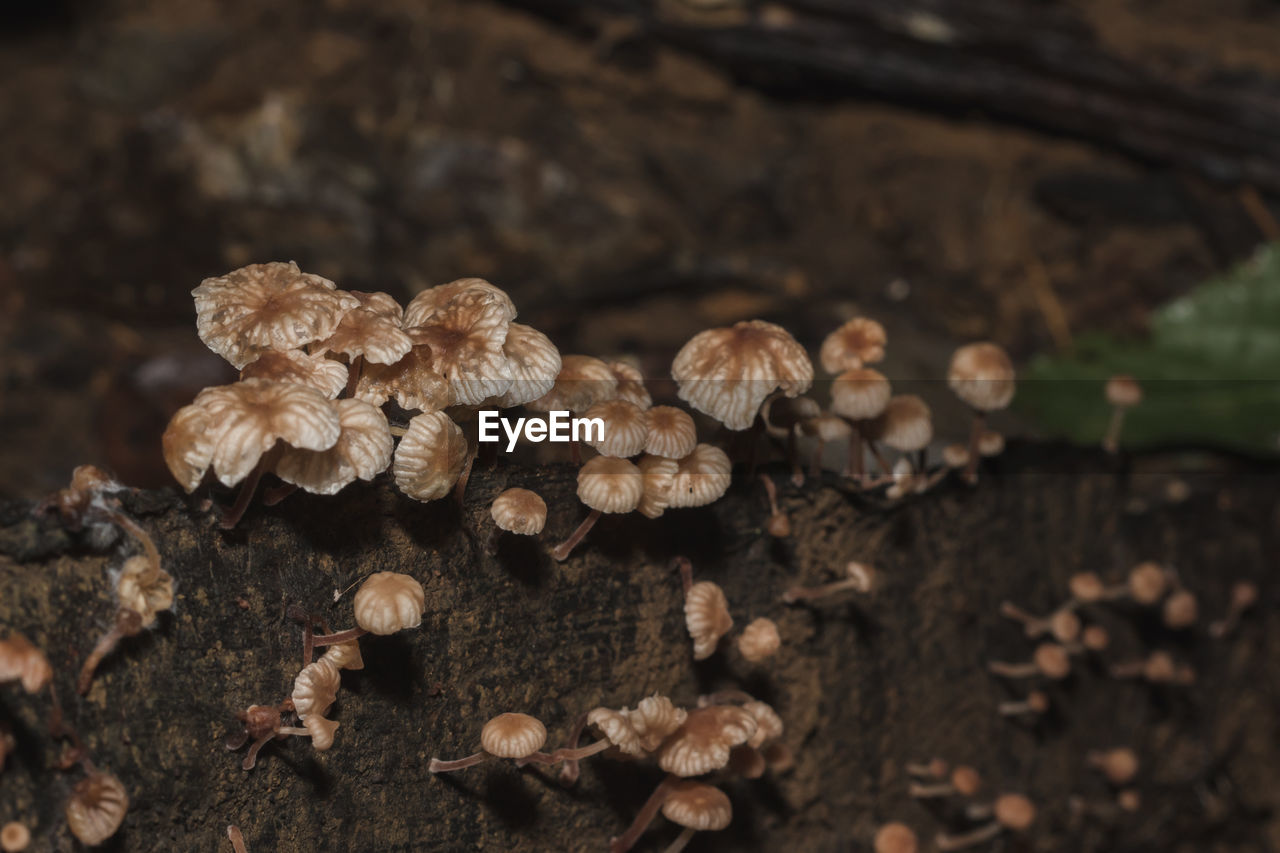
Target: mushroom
{"x":533,"y":363}
{"x":616,"y":728}
{"x":895,"y":838}
{"x":703,"y":742}
{"x":369,"y":333}
{"x":362,"y":451}
{"x":21,"y":661}
{"x":630,"y":384}
{"x":859,"y":395}
{"x":625,"y":428}
{"x":1095,"y":638}
{"x":706,"y":616}
{"x":236,"y":838}
{"x":1180,"y":610}
{"x":778,"y":524}
{"x":747,"y":762}
{"x":1049,"y":660}
{"x":759,"y":641}
{"x":412,"y":380}
{"x":701,"y":478}
{"x":859,"y":577}
{"x":1063,"y":624}
{"x":728,"y":372}
{"x":519,"y":511}
{"x":906,"y":425}
{"x":315,"y":688}
{"x":697,"y":808}
{"x":982,"y":376}
{"x":315,"y":371}
{"x":14,"y":837}
{"x":143,"y":590}
{"x":859,"y":341}
{"x":344,"y":655}
{"x":97,"y":807}
{"x":1148,"y":582}
{"x":1244,"y":595}
{"x":272,"y":306}
{"x":430,"y":457}
{"x":387,"y":602}
{"x":654,"y":719}
{"x":963,"y":782}
{"x":1012,"y":812}
{"x":1119,"y":765}
{"x":1123,"y":393}
{"x":990,"y":443}
{"x":582,"y":382}
{"x":505,"y":736}
{"x":671,"y":432}
{"x":605,"y":485}
{"x":466,"y":333}
{"x":955,"y":455}
{"x":1037,"y":702}
{"x":825,"y":429}
{"x":782,"y":417}
{"x":426,"y":304}
{"x":659,"y":476}
{"x":769,"y":725}
{"x":1159,"y":667}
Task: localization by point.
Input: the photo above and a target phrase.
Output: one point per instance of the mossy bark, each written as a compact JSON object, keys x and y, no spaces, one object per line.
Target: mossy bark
{"x":864,"y":684}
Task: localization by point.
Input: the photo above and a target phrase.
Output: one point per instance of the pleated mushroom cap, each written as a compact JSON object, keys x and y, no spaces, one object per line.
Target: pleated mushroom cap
{"x":697,"y":806}
{"x":21,"y":661}
{"x":322,"y":731}
{"x":371,"y":331}
{"x":768,"y":724}
{"x":860,"y":394}
{"x":702,"y":477}
{"x":144,"y":589}
{"x":582,"y":382}
{"x":412,"y":380}
{"x":759,"y":640}
{"x":345,"y":655}
{"x":466,"y":336}
{"x":704,"y":741}
{"x":982,"y":376}
{"x":430,"y":457}
{"x":655,"y":718}
{"x":906,"y":424}
{"x":389,"y":602}
{"x":728,"y":372}
{"x":273,"y":306}
{"x":315,"y":688}
{"x":97,"y":808}
{"x":533,"y":363}
{"x":672,"y":433}
{"x":519,"y":511}
{"x":858,"y":342}
{"x":659,"y":478}
{"x":630,"y":384}
{"x":617,"y":729}
{"x":610,"y":485}
{"x":187,"y":445}
{"x":625,"y":428}
{"x":426,"y":305}
{"x":513,"y":736}
{"x":706,"y":616}
{"x":363,"y":451}
{"x":327,"y":376}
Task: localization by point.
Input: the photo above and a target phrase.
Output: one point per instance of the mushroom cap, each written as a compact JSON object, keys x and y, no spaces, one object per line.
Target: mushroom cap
{"x":759,"y":640}
{"x":344,"y":655}
{"x":1095,"y":638}
{"x":513,"y":736}
{"x":144,"y":589}
{"x":372,"y":331}
{"x":247,"y":418}
{"x":747,"y":762}
{"x":896,"y":838}
{"x":1086,"y":586}
{"x":655,"y":718}
{"x":697,"y":806}
{"x":659,"y":477}
{"x":782,"y":414}
{"x":616,"y":728}
{"x":267,"y":306}
{"x":955,"y":455}
{"x":860,"y":394}
{"x":430,"y":457}
{"x":466,"y":336}
{"x":1052,"y":660}
{"x":1065,"y":625}
{"x":187,"y":444}
{"x":362,"y":451}
{"x":321,"y":731}
{"x":1014,"y":811}
{"x":859,"y":341}
{"x":1148,"y":583}
{"x":327,"y":376}
{"x":630,"y":384}
{"x":412,"y":380}
{"x":21,"y":661}
{"x":728,"y":372}
{"x":625,"y":428}
{"x":1181,"y":610}
{"x":672,"y":433}
{"x":990,"y":443}
{"x":906,"y":424}
{"x":1123,"y":390}
{"x":97,"y":807}
{"x":768,"y":723}
{"x":427,"y":304}
{"x":533,"y":363}
{"x":1119,"y":765}
{"x":519,"y":511}
{"x":389,"y":602}
{"x":706,"y":616}
{"x":14,"y":837}
{"x":610,"y":485}
{"x":982,"y":376}
{"x":701,"y":477}
{"x":315,"y":688}
{"x":966,"y":780}
{"x":703,"y":742}
{"x":582,"y":382}
{"x":826,"y":428}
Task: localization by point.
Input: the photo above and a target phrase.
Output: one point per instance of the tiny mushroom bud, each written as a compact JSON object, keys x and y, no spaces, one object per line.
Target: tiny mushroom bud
{"x":964,"y":782}
{"x":1095,"y":638}
{"x":519,"y":511}
{"x":389,"y":602}
{"x":1244,"y":595}
{"x":1119,"y":765}
{"x":533,"y":363}
{"x":625,"y":428}
{"x":1063,"y":624}
{"x":896,"y":838}
{"x":701,"y":478}
{"x":859,"y":577}
{"x":990,"y":443}
{"x":327,"y":376}
{"x":605,"y":485}
{"x":1123,"y":392}
{"x":23,"y":662}
{"x":1087,"y":587}
{"x":1159,"y":667}
{"x":696,"y":807}
{"x":14,"y":837}
{"x":363,"y":451}
{"x":759,"y":640}
{"x":671,"y":434}
{"x":97,"y":807}
{"x":704,"y":741}
{"x":859,"y":341}
{"x":728,"y":372}
{"x":659,"y":477}
{"x":706,"y":615}
{"x":430,"y":457}
{"x":955,"y":455}
{"x":1181,"y":610}
{"x":982,"y":376}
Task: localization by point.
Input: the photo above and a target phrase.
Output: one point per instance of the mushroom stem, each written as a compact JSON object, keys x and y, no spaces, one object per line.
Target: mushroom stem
{"x":969,"y":839}
{"x":927,"y":792}
{"x":460,"y":488}
{"x":682,"y":841}
{"x":237,"y":840}
{"x":797,"y":473}
{"x":127,"y":624}
{"x":975,"y":435}
{"x":293,"y":730}
{"x":233,"y":515}
{"x":855,"y":465}
{"x":353,"y":375}
{"x":564,"y":754}
{"x":1013,"y":670}
{"x":340,"y":637}
{"x":252,"y":757}
{"x":815,"y":459}
{"x":271,"y":497}
{"x":562,"y":551}
{"x":438,"y":766}
{"x":885,"y":467}
{"x":686,"y":572}
{"x":644,"y":817}
{"x":571,"y":769}
{"x":808,"y":593}
{"x":1111,"y":440}
{"x":1034,"y":626}
{"x":1035,"y":703}
{"x":779,"y":525}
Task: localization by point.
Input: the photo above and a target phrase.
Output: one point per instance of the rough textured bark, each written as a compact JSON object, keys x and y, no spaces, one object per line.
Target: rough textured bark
{"x":863,"y":684}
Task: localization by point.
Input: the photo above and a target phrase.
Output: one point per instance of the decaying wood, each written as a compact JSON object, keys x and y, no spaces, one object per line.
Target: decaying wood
{"x":864,"y":685}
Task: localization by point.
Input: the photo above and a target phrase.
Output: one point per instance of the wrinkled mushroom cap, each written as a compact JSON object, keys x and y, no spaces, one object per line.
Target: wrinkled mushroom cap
{"x":266,"y":306}
{"x":655,"y":718}
{"x":697,"y":806}
{"x":982,"y":376}
{"x":728,"y":372}
{"x":533,"y":363}
{"x":630,"y":384}
{"x":97,"y":807}
{"x":860,"y":394}
{"x":412,"y":380}
{"x":513,"y":736}
{"x":321,"y":730}
{"x":659,"y":477}
{"x":906,"y":424}
{"x":703,"y":742}
{"x":582,"y":382}
{"x":610,"y":485}
{"x":362,"y":451}
{"x":768,"y":723}
{"x":371,"y":331}
{"x":327,"y":376}
{"x":21,"y":661}
{"x":701,"y":477}
{"x":759,"y":640}
{"x":519,"y":511}
{"x":315,"y":688}
{"x":389,"y":602}
{"x":672,"y":433}
{"x":706,"y":615}
{"x":466,"y":337}
{"x":1015,"y":811}
{"x":617,"y":729}
{"x":188,"y":446}
{"x":426,"y":305}
{"x":430,"y":457}
{"x":345,"y":655}
{"x":144,"y":589}
{"x":625,"y":428}
{"x":896,"y":838}
{"x":859,"y":341}
{"x":1123,"y":390}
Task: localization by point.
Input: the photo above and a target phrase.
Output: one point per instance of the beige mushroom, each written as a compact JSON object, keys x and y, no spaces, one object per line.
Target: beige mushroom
{"x":1012,"y":812}
{"x":430,"y":457}
{"x":533,"y":363}
{"x":630,"y":384}
{"x":327,"y":376}
{"x":703,"y":742}
{"x":519,"y":511}
{"x":505,"y":736}
{"x":706,"y":616}
{"x":1123,"y":392}
{"x":858,"y":342}
{"x":412,"y":381}
{"x":626,"y":428}
{"x":388,"y":602}
{"x":96,"y":808}
{"x":982,"y":376}
{"x":315,"y":688}
{"x":370,"y":332}
{"x":466,"y":336}
{"x":582,"y":382}
{"x":671,"y":432}
{"x":362,"y":451}
{"x":14,"y":837}
{"x":424,"y":307}
{"x":659,"y":477}
{"x":701,"y":478}
{"x":760,"y":640}
{"x":605,"y":485}
{"x":22,"y":662}
{"x":696,"y":807}
{"x":895,"y":838}
{"x":859,"y":395}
